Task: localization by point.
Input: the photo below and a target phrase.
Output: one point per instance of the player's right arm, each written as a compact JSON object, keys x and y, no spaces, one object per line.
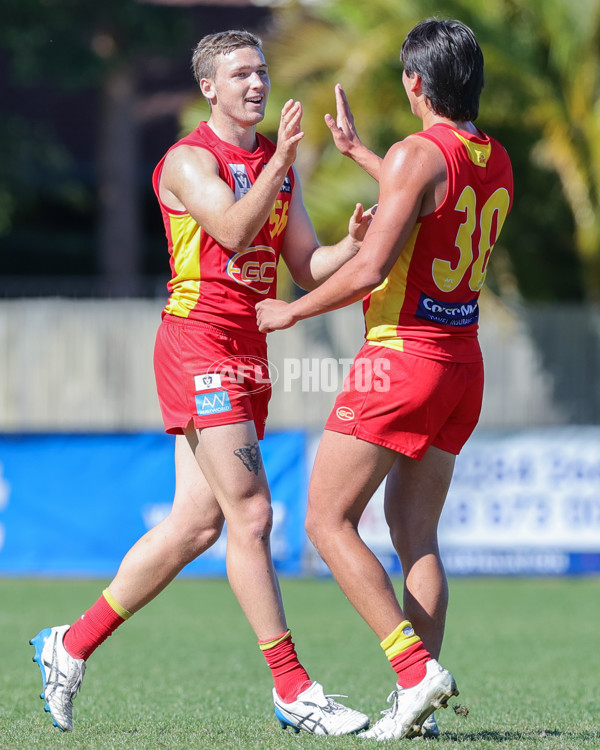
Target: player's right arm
{"x":190,"y":181}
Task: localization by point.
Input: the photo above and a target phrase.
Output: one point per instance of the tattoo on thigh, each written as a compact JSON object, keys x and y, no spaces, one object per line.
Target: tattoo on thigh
{"x":250,"y":456}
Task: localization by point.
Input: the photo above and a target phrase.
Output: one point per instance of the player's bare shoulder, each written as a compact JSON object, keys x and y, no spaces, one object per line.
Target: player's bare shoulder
{"x":425,"y":155}
{"x":415,"y":160}
{"x":185,"y":166}
{"x":189,"y":160}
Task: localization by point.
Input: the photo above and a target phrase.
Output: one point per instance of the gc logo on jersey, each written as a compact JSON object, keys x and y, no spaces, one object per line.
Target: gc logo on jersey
{"x":255,"y":267}
{"x":345,"y":413}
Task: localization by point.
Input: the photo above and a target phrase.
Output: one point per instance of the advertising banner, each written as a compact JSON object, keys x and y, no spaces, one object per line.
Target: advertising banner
{"x":72,"y":505}
{"x":523,"y":503}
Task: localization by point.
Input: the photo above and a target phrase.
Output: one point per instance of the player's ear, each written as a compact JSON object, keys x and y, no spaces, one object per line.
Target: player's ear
{"x":415,"y":83}
{"x":207,"y":87}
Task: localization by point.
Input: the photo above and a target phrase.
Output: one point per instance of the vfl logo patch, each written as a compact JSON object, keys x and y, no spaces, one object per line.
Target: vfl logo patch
{"x":212,"y":403}
{"x":241,"y":179}
{"x":207,"y":382}
{"x":287,"y":186}
{"x":255,"y":268}
{"x":287,"y":183}
{"x":448,"y":313}
{"x":344,"y":413}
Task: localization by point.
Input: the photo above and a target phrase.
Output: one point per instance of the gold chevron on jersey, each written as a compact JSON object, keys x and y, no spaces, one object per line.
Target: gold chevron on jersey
{"x":479,"y":153}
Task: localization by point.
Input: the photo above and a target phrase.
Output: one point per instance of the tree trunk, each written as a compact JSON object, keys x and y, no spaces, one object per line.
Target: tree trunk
{"x":119,"y":201}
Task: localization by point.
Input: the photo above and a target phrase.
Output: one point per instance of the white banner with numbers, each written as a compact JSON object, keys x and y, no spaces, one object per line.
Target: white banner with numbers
{"x":523,"y":503}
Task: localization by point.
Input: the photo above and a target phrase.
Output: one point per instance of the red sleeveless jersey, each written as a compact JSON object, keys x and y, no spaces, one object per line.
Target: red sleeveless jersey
{"x":208,"y":282}
{"x":428,"y":304}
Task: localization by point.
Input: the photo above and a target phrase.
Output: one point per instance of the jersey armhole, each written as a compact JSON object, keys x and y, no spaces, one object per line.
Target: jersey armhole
{"x":436,"y":211}
{"x":156,"y":185}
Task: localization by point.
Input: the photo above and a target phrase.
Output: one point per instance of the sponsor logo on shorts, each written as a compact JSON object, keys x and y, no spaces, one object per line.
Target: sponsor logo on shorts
{"x":212,"y":403}
{"x":344,"y":413}
{"x":448,"y":313}
{"x":207,"y":382}
{"x":255,"y":268}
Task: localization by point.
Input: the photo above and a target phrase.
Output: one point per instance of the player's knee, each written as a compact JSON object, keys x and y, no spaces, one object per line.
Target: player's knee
{"x":414,"y":541}
{"x":253,"y":519}
{"x":208,"y":536}
{"x":194,"y":539}
{"x":311,"y":527}
{"x":317,"y":530}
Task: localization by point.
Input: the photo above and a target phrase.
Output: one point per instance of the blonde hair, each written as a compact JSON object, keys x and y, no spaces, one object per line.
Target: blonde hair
{"x":222,"y":43}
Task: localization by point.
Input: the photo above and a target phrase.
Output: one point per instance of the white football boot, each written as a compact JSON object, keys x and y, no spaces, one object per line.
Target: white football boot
{"x":61,"y":675}
{"x":318,"y":713}
{"x":412,"y":706}
{"x":430,"y":729}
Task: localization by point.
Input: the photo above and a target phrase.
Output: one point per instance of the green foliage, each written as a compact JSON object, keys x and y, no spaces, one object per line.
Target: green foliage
{"x":74,"y":41}
{"x":56,"y":51}
{"x":186,"y":672}
{"x":542,"y":96}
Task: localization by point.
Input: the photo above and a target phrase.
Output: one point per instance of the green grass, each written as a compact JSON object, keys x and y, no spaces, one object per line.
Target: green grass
{"x":186,"y":672}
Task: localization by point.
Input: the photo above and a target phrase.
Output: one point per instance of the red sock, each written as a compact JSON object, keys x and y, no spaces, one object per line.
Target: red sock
{"x":93,"y":628}
{"x":410,"y":664}
{"x":289,"y":676}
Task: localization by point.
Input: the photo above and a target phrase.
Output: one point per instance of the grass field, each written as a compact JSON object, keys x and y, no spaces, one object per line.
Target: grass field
{"x":186,"y":672}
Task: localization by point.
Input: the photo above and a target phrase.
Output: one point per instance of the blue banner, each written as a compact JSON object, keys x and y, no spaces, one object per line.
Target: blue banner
{"x":72,"y":505}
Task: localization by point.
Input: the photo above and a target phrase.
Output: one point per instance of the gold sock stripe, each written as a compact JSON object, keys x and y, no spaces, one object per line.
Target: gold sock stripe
{"x":399,"y":640}
{"x":266,"y":645}
{"x":114,"y":604}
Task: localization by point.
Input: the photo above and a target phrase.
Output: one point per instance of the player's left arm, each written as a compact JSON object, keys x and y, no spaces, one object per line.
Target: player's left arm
{"x":310,"y":263}
{"x":408,"y":175}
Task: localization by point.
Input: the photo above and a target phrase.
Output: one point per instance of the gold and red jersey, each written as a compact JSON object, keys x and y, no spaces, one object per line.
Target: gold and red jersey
{"x":428,"y":304}
{"x":208,"y":282}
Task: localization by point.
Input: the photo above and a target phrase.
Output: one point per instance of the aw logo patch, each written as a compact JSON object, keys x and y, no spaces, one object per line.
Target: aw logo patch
{"x":255,"y":267}
{"x":212,"y":403}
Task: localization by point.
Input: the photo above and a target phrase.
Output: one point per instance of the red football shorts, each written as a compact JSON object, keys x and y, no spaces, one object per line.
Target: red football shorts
{"x":408,"y":403}
{"x":209,"y":376}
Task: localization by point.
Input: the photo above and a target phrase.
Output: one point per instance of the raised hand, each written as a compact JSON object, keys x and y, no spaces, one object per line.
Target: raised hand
{"x":289,"y":133}
{"x":342,"y":128}
{"x":346,"y":138}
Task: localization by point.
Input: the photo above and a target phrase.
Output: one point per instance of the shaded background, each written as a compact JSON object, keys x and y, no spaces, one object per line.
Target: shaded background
{"x":91,"y":97}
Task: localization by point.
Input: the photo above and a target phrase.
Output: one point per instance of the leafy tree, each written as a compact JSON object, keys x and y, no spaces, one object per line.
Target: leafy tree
{"x":73,"y":46}
{"x":560,"y":77}
{"x":541,"y":100}
{"x":104,"y":62}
